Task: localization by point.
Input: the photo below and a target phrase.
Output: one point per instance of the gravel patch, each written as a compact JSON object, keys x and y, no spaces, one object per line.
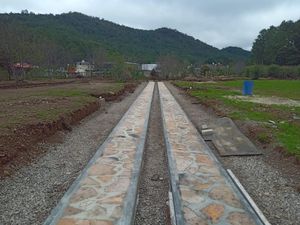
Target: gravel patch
{"x":31,"y":193}
{"x":271,"y":183}
{"x":266,"y":100}
{"x":153,"y":188}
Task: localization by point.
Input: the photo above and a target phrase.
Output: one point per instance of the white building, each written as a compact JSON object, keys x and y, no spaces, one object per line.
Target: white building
{"x":149,"y":67}
{"x":84,"y":68}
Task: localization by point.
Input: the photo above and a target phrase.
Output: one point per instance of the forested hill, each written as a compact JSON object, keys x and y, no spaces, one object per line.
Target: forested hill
{"x":77,"y":36}
{"x":278,"y":45}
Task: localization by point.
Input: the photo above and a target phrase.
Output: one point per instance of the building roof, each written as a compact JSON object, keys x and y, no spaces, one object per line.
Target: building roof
{"x":22,"y":65}
{"x":149,"y":67}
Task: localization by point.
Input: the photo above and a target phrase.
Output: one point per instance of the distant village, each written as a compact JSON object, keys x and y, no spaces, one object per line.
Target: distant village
{"x":85,"y":69}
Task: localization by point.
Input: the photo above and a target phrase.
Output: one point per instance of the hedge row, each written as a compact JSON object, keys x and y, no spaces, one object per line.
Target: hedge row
{"x":275,"y":71}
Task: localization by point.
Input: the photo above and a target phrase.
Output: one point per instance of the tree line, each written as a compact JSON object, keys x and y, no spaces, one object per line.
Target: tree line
{"x":278,"y":45}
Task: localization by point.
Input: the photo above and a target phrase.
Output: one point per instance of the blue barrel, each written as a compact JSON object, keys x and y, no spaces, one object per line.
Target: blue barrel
{"x":248,"y":87}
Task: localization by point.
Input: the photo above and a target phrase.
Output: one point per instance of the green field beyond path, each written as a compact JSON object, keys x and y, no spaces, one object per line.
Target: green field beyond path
{"x":286,"y":130}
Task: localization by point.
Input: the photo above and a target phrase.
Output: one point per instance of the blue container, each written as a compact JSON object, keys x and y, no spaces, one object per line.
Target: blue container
{"x":248,"y":87}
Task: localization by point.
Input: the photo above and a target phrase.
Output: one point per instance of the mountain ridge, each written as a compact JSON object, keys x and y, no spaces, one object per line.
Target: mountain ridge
{"x":79,"y":34}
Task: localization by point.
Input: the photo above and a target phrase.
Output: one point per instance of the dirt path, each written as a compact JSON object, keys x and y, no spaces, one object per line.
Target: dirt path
{"x":30,"y":194}
{"x":154,"y":184}
{"x":270,"y":180}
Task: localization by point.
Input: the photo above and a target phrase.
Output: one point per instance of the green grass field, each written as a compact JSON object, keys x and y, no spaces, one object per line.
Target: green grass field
{"x":287,"y":129}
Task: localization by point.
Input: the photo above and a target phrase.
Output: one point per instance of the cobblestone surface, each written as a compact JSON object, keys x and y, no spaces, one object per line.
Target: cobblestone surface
{"x":207,"y":196}
{"x":101,"y":194}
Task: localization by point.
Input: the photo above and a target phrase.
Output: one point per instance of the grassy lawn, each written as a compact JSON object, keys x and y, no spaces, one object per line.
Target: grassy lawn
{"x":23,"y":106}
{"x":287,"y":129}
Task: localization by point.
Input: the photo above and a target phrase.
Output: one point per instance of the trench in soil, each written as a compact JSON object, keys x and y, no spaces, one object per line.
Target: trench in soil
{"x":153,"y":188}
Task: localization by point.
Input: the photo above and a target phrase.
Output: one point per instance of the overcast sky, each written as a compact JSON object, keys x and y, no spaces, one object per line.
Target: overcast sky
{"x":219,"y":23}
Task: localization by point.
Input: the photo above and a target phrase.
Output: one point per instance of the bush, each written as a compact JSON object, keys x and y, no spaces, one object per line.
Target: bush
{"x":273,"y":71}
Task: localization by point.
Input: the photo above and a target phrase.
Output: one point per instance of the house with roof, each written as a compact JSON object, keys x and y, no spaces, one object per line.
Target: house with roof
{"x":84,"y":68}
{"x":149,"y":68}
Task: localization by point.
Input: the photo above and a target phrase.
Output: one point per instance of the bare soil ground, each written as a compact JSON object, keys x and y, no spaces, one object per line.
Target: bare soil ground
{"x":272,"y":179}
{"x":267,"y":100}
{"x":32,"y":191}
{"x":29,"y":115}
{"x":38,"y":83}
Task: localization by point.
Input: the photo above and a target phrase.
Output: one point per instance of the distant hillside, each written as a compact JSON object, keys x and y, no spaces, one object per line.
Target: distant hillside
{"x":278,"y":45}
{"x":236,"y":53}
{"x":77,"y":36}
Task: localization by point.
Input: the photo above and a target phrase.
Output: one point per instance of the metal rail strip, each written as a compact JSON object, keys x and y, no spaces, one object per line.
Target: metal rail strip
{"x":248,"y":198}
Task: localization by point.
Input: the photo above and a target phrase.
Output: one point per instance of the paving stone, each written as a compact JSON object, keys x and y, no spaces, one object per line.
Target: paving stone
{"x":69,"y":211}
{"x":120,"y":185}
{"x":83,"y":193}
{"x":117,"y":212}
{"x":206,"y":196}
{"x":88,"y":181}
{"x":225,"y":194}
{"x":105,"y":179}
{"x":114,"y":200}
{"x":83,"y":222}
{"x":237,"y":218}
{"x":191,"y":196}
{"x":214,"y":212}
{"x":102,"y":169}
{"x":192,"y":218}
{"x":196,"y":184}
{"x":204,"y":159}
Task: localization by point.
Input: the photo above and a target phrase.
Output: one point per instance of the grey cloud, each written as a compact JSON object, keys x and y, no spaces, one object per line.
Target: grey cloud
{"x":220,"y":23}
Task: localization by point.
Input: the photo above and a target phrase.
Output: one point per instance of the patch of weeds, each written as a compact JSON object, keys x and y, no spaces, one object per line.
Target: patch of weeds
{"x":288,"y":134}
{"x":64,"y":93}
{"x":49,"y":114}
{"x":281,"y":88}
{"x":247,"y":111}
{"x":263,"y":137}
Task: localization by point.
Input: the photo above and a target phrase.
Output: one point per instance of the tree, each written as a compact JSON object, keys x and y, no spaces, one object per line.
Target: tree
{"x":10,"y":47}
{"x":205,"y":70}
{"x":288,"y":55}
{"x":278,"y":45}
{"x":170,"y":67}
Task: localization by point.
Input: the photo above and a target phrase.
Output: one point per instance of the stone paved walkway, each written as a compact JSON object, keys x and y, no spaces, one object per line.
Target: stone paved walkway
{"x":106,"y":191}
{"x":105,"y":194}
{"x":202,"y":193}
